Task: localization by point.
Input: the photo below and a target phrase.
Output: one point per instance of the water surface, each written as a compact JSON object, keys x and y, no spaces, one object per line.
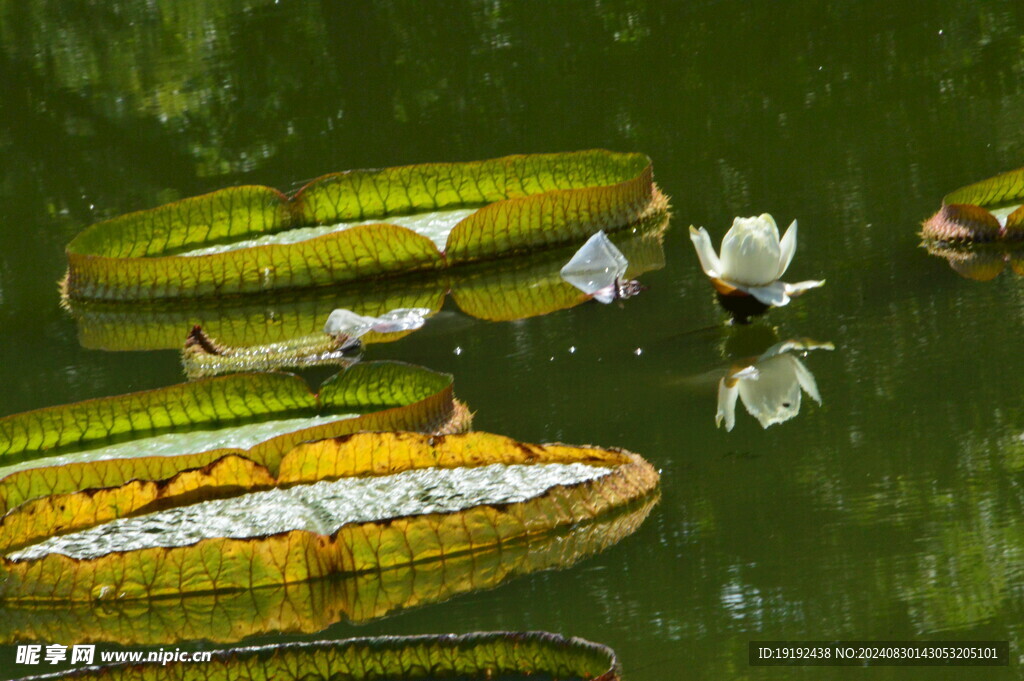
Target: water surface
{"x":893,"y":510}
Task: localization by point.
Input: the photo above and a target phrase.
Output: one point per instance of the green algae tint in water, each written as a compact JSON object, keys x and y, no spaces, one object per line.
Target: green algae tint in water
{"x":891,"y":511}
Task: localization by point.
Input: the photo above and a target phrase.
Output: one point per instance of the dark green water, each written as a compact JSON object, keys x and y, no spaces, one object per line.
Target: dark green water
{"x":892,"y":511}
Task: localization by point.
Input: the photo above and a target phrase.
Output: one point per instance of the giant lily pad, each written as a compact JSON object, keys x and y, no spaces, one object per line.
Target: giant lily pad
{"x":155,"y":434}
{"x":309,"y":607}
{"x":351,"y":505}
{"x":345,"y":226}
{"x":986,"y":211}
{"x":513,"y":288}
{"x":470,"y":657}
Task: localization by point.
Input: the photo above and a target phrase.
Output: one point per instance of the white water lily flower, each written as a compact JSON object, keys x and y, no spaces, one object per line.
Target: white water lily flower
{"x":753,"y":258}
{"x":770,"y":387}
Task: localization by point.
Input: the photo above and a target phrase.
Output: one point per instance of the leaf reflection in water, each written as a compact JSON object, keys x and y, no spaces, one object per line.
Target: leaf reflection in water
{"x":980,"y":262}
{"x":770,"y":385}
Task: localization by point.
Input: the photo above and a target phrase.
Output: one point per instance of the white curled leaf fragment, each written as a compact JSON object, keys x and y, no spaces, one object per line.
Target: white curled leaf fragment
{"x":401,"y":319}
{"x":598,"y":268}
{"x":752,"y":261}
{"x":343,"y":322}
{"x":770,"y":386}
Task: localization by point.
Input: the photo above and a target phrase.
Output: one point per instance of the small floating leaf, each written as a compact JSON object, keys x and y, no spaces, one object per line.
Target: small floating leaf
{"x":341,"y":506}
{"x":250,"y":239}
{"x":469,"y":657}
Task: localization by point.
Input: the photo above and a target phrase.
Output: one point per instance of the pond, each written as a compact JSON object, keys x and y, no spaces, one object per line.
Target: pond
{"x":892,"y":510}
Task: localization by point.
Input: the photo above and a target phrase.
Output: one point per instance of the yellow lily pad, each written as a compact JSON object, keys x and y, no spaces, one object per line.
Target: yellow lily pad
{"x":345,"y":506}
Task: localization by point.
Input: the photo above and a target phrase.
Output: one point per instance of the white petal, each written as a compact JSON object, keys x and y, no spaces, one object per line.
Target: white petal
{"x":797,"y":344}
{"x":344,"y":322}
{"x":751,"y":251}
{"x":806,"y":380}
{"x":747,"y":373}
{"x":709,"y":261}
{"x":596,"y":265}
{"x":787,"y":249}
{"x":775,"y":396}
{"x":401,"y":319}
{"x":779,"y":348}
{"x":802,"y":286}
{"x":773,"y":294}
{"x":605,"y":295}
{"x":727,"y":404}
{"x":767,"y":219}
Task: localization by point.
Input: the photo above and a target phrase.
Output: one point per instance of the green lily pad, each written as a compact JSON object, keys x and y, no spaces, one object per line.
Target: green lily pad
{"x":513,"y":288}
{"x":470,"y":657}
{"x":352,"y":505}
{"x":341,"y":227}
{"x":155,"y":434}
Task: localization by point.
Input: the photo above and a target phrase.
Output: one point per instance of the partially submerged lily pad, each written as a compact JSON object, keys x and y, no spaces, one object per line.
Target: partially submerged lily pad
{"x":337,"y":344}
{"x":341,"y":227}
{"x":309,"y":607}
{"x":503,"y":290}
{"x":469,"y":657}
{"x":155,"y":434}
{"x":349,"y":505}
{"x":988,"y":211}
{"x":206,"y":356}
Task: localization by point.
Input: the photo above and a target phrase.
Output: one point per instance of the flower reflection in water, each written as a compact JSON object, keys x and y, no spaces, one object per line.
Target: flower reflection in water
{"x":770,"y":385}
